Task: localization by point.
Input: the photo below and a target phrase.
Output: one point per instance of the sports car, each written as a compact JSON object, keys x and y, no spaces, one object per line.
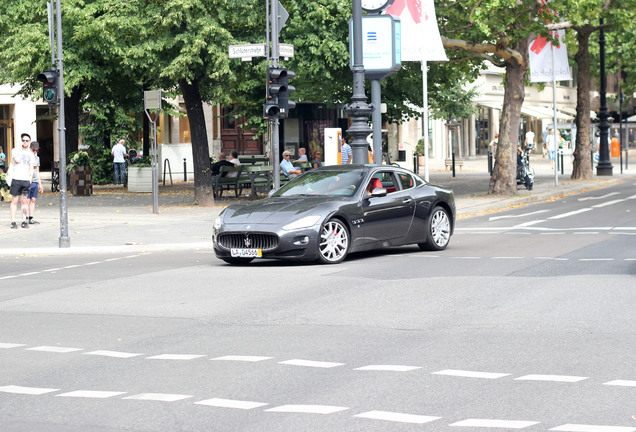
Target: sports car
{"x":329,"y":212}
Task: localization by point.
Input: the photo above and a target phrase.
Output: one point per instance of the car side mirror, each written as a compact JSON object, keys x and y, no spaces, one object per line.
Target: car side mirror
{"x":378,"y":192}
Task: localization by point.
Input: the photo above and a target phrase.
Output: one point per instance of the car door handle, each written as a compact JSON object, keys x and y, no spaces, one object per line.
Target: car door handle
{"x":407,"y":200}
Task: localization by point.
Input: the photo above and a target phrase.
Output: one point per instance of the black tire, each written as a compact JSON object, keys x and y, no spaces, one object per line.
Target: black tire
{"x":237,"y":261}
{"x":439,"y":230}
{"x":334,"y":242}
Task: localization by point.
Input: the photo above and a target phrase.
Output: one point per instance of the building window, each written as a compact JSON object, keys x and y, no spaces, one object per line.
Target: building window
{"x":184,"y":127}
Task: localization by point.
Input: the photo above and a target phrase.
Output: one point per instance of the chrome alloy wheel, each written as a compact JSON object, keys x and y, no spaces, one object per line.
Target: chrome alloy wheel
{"x":440,"y":228}
{"x":334,"y":242}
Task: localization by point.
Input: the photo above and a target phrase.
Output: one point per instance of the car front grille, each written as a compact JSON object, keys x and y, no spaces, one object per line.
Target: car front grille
{"x":261,"y":241}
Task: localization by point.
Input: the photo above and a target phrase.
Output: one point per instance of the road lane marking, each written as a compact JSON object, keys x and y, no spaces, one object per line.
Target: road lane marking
{"x":471,"y":374}
{"x":176,"y":357}
{"x":599,"y":197}
{"x":554,"y":378}
{"x":572,"y":213}
{"x":493,"y":218}
{"x":10,"y":345}
{"x":608,"y":203}
{"x":592,"y":428}
{"x":8,"y":277}
{"x":493,"y":423}
{"x":242,"y":358}
{"x":391,"y":368}
{"x":311,"y":363}
{"x":525,"y":224}
{"x":26,"y":390}
{"x":116,"y":354}
{"x":622,"y":383}
{"x":308,"y":409}
{"x":229,"y":403}
{"x":52,"y":270}
{"x":29,"y":274}
{"x":397,"y":417}
{"x":596,"y":259}
{"x":161,"y":397}
{"x":61,"y":350}
{"x":92,"y":394}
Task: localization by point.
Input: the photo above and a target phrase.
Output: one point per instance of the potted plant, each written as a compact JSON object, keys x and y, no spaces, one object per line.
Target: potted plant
{"x":4,"y":188}
{"x":419,"y":149}
{"x":81,"y":175}
{"x":140,"y":176}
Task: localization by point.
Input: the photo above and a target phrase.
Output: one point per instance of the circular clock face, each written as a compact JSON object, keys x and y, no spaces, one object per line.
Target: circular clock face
{"x":375,"y":5}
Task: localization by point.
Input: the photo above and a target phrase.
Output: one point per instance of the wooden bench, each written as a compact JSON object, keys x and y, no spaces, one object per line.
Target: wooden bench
{"x":304,"y":166}
{"x":458,"y":163}
{"x":223,"y":182}
{"x":253,"y":160}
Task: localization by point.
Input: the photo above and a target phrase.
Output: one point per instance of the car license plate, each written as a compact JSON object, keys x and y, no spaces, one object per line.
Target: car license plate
{"x":246,"y":253}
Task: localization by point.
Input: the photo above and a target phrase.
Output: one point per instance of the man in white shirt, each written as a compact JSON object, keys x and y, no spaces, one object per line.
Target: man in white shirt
{"x":235,"y":160}
{"x":23,"y":162}
{"x":529,"y":140}
{"x":119,"y":163}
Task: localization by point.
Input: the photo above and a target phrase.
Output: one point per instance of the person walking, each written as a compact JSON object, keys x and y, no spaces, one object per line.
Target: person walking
{"x":23,"y":161}
{"x":119,"y":163}
{"x":36,"y":184}
{"x":346,"y":152}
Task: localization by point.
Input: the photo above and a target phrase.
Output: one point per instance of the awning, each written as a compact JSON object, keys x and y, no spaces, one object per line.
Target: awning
{"x":530,"y":110}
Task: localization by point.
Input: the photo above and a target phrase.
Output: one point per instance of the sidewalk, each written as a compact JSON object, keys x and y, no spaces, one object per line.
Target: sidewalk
{"x":113,"y":220}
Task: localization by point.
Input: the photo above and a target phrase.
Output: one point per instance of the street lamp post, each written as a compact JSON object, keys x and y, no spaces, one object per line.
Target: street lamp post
{"x":604,"y":167}
{"x":359,"y":109}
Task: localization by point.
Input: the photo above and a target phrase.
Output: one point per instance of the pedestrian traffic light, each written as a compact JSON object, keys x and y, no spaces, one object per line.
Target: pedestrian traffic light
{"x":285,"y":90}
{"x":271,"y":109}
{"x":49,"y":79}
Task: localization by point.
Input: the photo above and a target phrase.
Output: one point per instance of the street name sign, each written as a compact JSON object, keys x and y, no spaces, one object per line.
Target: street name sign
{"x":247,"y":51}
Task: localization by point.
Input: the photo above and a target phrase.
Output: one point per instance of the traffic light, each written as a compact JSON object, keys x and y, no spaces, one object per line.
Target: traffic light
{"x":271,"y":109}
{"x":278,"y":90}
{"x":49,"y":79}
{"x":285,"y":90}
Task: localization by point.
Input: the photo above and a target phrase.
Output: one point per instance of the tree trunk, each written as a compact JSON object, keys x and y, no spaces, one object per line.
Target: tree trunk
{"x":582,"y":168}
{"x":200,"y":150}
{"x":503,"y":179}
{"x":71,"y":119}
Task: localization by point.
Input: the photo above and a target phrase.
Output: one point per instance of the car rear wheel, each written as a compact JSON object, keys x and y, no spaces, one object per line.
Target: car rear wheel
{"x":439,"y":230}
{"x":237,"y":261}
{"x":334,"y":242}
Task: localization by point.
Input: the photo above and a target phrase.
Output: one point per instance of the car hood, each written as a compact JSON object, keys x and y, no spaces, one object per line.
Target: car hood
{"x":277,"y":210}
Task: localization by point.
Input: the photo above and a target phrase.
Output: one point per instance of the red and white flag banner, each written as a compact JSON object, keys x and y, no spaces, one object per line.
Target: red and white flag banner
{"x":541,"y":60}
{"x":421,"y":40}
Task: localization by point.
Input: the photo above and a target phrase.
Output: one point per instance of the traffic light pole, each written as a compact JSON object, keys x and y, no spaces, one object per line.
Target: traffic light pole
{"x":274,"y":124}
{"x":64,"y":240}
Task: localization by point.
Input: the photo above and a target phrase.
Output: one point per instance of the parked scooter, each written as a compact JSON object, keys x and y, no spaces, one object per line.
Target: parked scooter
{"x":525,"y":173}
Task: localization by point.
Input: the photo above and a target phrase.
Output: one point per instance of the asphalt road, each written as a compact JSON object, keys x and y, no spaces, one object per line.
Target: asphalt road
{"x":526,"y":322}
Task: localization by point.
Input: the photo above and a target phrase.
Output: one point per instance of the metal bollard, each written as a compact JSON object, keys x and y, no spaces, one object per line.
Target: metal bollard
{"x":561,"y":162}
{"x":416,"y":165}
{"x":185,"y":171}
{"x":489,"y":162}
{"x":453,"y":164}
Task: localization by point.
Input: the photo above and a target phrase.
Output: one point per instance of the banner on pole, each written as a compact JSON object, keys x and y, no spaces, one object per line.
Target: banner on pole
{"x":541,"y":60}
{"x":421,"y":40}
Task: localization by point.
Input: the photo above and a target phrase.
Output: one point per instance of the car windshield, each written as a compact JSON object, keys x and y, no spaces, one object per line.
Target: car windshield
{"x":323,"y":183}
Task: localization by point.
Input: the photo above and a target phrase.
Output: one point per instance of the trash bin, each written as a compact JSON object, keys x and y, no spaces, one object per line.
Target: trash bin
{"x":615,"y":148}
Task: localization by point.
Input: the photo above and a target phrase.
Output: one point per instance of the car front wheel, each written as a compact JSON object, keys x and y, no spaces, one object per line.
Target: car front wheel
{"x":439,"y":230}
{"x":334,"y":242}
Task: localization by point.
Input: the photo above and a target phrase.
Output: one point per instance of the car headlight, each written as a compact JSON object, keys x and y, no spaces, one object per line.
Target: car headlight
{"x":306,"y":222}
{"x":217,"y":223}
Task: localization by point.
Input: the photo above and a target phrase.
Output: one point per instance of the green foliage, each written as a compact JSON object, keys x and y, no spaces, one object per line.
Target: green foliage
{"x":77,"y":159}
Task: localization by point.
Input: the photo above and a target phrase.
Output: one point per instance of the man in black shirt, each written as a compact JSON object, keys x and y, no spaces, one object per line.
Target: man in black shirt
{"x":216,"y":167}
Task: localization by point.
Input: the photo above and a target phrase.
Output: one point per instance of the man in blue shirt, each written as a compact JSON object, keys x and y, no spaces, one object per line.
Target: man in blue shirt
{"x":346,"y":153}
{"x":288,"y":168}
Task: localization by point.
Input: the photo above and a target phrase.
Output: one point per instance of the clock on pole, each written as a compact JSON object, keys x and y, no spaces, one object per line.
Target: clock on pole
{"x":375,"y":6}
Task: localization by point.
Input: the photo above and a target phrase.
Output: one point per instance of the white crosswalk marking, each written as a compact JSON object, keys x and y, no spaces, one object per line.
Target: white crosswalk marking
{"x":592,"y":428}
{"x":393,"y":368}
{"x":10,"y":345}
{"x":229,"y":403}
{"x":161,"y":397}
{"x":623,"y":383}
{"x":397,"y":417}
{"x":26,"y":390}
{"x":94,"y":394}
{"x":470,"y":374}
{"x":116,"y":354}
{"x":309,"y":409}
{"x":556,"y":378}
{"x":62,"y":350}
{"x":175,"y":356}
{"x":488,"y":423}
{"x":311,"y":363}
{"x":242,"y":358}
